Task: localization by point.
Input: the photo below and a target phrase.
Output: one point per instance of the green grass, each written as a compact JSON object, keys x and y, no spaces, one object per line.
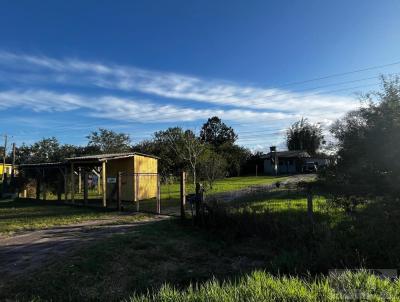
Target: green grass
{"x":20,"y":214}
{"x":244,"y":255}
{"x":261,"y":286}
{"x":172,"y":191}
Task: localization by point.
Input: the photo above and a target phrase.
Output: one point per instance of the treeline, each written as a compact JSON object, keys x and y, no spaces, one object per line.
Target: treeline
{"x":210,"y":155}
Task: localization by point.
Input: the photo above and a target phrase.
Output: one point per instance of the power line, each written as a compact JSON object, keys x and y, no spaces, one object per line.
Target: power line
{"x":341,"y":74}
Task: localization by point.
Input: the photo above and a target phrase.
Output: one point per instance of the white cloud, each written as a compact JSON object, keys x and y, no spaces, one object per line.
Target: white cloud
{"x":128,"y":110}
{"x":230,"y":101}
{"x":180,"y":87}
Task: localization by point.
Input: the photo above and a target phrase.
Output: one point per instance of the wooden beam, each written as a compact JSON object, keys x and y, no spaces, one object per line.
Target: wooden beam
{"x":104,"y":183}
{"x":72,"y":183}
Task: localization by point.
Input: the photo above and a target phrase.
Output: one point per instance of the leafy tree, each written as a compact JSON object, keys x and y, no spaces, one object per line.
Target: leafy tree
{"x":304,"y":136}
{"x":211,"y":166}
{"x":368,"y":144}
{"x":109,"y":141}
{"x":235,"y":156}
{"x":217,"y":133}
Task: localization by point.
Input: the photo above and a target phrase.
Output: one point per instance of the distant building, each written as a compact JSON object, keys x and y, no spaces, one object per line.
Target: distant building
{"x":7,"y":169}
{"x":291,"y":162}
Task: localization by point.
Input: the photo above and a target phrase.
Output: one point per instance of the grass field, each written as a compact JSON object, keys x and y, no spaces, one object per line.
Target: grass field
{"x":171,"y":191}
{"x":243,"y":250}
{"x":18,"y":215}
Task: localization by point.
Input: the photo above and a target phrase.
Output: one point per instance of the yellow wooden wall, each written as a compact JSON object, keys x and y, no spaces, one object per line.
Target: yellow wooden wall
{"x":144,"y":183}
{"x":126,"y":166}
{"x":135,"y":177}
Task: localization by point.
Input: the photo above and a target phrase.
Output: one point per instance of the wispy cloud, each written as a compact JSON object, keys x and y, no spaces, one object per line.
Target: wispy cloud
{"x":128,"y":110}
{"x":176,"y":86}
{"x":130,"y":94}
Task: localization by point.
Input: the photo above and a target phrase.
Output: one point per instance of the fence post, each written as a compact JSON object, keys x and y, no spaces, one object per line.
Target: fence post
{"x":119,"y":190}
{"x":85,"y":187}
{"x":183,"y":194}
{"x":158,"y":194}
{"x":137,"y":191}
{"x":72,"y":183}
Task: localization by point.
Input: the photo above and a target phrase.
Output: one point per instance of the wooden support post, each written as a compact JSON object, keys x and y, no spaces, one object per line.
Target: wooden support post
{"x":104,"y":183}
{"x":44,"y":187}
{"x":85,"y":187}
{"x":65,"y":184}
{"x":59,"y":186}
{"x":137,"y":191}
{"x":98,"y":181}
{"x":119,"y":191}
{"x":256,"y":170}
{"x":183,"y":194}
{"x":72,"y":183}
{"x":38,"y":187}
{"x":158,"y":209}
{"x":79,"y":180}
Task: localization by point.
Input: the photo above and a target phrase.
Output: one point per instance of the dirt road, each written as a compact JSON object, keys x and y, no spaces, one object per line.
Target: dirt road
{"x":27,"y":251}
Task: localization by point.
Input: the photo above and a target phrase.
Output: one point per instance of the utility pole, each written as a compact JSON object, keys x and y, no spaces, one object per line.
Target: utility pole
{"x":13,"y":161}
{"x":4,"y":156}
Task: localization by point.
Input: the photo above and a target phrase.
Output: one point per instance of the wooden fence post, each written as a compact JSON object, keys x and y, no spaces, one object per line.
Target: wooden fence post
{"x":158,"y":194}
{"x":104,"y":182}
{"x":85,"y":187}
{"x":119,"y":190}
{"x":137,"y":175}
{"x":183,"y":194}
{"x":72,"y":183}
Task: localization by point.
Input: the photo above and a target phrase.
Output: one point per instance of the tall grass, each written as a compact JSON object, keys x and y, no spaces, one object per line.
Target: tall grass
{"x":261,"y":286}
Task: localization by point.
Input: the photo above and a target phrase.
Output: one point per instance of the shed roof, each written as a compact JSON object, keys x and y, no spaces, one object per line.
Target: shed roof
{"x":290,"y":154}
{"x":110,"y":156}
{"x":42,"y":165}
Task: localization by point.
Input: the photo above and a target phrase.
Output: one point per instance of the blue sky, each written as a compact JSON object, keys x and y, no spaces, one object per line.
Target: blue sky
{"x":69,"y":67}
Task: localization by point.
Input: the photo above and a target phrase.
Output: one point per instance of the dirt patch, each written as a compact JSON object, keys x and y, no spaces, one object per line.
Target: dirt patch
{"x":24,"y":252}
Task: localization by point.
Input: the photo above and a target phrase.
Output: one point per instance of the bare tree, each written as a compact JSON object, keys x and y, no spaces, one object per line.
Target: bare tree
{"x":188,"y":147}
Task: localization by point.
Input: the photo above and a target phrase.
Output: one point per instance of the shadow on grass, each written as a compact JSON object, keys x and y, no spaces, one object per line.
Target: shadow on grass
{"x":226,"y":247}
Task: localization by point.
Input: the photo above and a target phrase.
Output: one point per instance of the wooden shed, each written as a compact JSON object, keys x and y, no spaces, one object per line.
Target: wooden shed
{"x":139,"y":174}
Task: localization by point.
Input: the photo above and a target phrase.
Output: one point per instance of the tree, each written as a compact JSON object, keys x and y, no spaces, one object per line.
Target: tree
{"x":108,"y":141}
{"x":185,"y":144}
{"x":368,"y":144}
{"x":235,"y":157}
{"x":217,"y":133}
{"x":304,"y":136}
{"x":211,"y":166}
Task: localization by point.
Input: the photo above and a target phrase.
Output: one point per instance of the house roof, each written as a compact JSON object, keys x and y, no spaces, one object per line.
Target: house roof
{"x":105,"y":157}
{"x":290,"y":154}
